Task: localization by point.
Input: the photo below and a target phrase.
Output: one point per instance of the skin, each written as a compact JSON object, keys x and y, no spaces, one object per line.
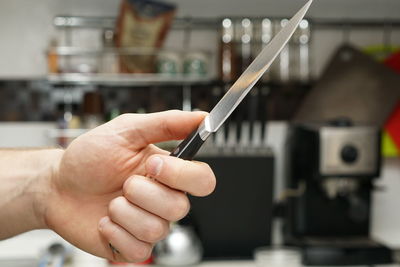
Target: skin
{"x":110,"y":186}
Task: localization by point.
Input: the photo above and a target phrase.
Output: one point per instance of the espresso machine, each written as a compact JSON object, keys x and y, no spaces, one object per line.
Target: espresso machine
{"x":331,"y":169}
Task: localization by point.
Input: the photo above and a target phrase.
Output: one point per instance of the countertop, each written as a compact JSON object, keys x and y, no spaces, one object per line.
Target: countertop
{"x":25,"y":249}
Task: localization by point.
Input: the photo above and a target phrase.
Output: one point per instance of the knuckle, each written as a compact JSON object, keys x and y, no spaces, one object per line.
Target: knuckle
{"x":140,"y":253}
{"x":128,"y":188}
{"x":181,"y":207}
{"x":156,"y":231}
{"x":123,"y":117}
{"x":115,"y":205}
{"x":112,"y":233}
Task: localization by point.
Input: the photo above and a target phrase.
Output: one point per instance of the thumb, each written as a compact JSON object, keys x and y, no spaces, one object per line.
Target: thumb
{"x":144,"y":129}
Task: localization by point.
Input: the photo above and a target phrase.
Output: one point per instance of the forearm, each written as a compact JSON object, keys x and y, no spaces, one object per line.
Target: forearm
{"x":25,"y":179}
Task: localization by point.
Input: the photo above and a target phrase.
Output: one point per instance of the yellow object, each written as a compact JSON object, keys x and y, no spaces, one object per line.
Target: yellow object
{"x":389,"y":148}
{"x":380,"y":52}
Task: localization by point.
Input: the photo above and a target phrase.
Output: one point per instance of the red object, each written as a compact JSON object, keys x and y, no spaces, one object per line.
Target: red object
{"x":146,"y":262}
{"x":393,"y":61}
{"x":392,"y":125}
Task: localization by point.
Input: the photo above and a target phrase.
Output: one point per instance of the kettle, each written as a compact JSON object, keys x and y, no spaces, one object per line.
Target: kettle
{"x":180,"y":247}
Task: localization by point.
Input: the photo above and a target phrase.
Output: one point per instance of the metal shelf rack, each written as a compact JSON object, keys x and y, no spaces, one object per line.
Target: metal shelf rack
{"x":186,"y":24}
{"x":214,"y":23}
{"x":133,"y":80}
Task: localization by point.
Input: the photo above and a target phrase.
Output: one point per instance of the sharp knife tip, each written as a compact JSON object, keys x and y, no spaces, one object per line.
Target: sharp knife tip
{"x":305,"y":8}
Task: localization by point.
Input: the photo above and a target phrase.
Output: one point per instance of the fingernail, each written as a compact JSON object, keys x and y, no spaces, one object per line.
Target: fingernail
{"x":102,"y":222}
{"x":154,"y":166}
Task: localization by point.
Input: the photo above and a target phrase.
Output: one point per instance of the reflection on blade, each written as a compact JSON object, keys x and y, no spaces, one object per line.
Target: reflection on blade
{"x":253,"y":73}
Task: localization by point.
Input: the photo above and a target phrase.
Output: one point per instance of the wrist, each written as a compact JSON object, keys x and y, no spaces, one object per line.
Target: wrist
{"x":45,"y":186}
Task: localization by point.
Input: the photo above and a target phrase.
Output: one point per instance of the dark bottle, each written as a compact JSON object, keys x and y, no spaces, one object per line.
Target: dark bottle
{"x":227,"y":54}
{"x":93,"y":110}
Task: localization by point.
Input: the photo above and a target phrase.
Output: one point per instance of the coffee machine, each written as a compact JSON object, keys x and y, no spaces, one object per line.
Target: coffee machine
{"x":331,"y":169}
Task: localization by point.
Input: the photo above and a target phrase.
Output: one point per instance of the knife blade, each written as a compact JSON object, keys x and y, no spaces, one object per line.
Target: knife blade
{"x":188,"y":148}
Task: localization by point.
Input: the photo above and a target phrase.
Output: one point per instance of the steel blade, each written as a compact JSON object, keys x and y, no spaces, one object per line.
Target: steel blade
{"x":253,"y":73}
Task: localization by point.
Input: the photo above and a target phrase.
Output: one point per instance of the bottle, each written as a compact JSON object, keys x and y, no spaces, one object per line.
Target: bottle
{"x":113,"y":107}
{"x":227,"y":54}
{"x":92,"y":110}
{"x":68,"y":119}
{"x":52,"y":57}
{"x":109,"y":58}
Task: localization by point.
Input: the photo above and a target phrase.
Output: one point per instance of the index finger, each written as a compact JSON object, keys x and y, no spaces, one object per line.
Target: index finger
{"x":193,"y":177}
{"x":144,"y":129}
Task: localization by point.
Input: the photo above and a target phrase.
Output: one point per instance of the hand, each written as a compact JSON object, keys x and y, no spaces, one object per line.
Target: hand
{"x":102,"y":192}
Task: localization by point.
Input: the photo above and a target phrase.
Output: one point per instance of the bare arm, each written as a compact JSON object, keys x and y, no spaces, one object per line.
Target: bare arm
{"x":99,"y":192}
{"x":24,"y":179}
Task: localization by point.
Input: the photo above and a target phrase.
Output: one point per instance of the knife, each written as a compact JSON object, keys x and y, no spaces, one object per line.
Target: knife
{"x":188,"y":148}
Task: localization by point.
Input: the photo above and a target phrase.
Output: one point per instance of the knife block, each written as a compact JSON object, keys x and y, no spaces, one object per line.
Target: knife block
{"x":236,"y":218}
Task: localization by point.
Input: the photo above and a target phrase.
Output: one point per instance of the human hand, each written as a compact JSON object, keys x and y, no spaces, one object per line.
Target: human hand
{"x":112,"y":186}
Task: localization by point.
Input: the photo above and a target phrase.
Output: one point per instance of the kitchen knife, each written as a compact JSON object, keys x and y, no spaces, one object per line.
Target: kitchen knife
{"x":188,"y":148}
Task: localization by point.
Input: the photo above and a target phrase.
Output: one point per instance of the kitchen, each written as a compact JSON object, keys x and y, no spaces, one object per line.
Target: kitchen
{"x":66,"y":69}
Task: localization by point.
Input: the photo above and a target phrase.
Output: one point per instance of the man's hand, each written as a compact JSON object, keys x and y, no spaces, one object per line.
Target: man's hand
{"x":112,"y":186}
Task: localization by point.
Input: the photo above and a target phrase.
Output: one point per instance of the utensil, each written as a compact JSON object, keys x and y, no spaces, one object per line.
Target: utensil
{"x":284,"y":58}
{"x":246,"y":36}
{"x":182,"y":247}
{"x":304,"y":40}
{"x":189,"y":147}
{"x":246,"y":40}
{"x":263,"y":113}
{"x":252,"y":113}
{"x":266,"y":35}
{"x":353,"y":86}
{"x":54,"y":256}
{"x":227,"y":54}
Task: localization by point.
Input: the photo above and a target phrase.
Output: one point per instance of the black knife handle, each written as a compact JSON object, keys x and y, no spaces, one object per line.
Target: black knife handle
{"x":188,"y":148}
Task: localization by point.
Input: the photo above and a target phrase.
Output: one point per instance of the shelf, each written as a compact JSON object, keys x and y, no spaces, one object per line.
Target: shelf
{"x":139,"y":80}
{"x":109,"y":22}
{"x":126,"y":79}
{"x":66,"y":133}
{"x":88,"y":51}
{"x":84,"y":22}
{"x":214,"y":23}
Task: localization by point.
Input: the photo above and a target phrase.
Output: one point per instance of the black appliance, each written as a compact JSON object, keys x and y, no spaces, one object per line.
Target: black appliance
{"x":236,"y":218}
{"x":331,"y":168}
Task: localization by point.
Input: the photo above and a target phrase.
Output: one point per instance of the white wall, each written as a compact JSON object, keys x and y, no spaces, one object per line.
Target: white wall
{"x":386,"y":201}
{"x":26,"y":26}
{"x":26,"y":134}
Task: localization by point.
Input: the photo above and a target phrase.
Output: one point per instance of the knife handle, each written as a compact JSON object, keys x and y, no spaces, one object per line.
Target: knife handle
{"x":188,"y":148}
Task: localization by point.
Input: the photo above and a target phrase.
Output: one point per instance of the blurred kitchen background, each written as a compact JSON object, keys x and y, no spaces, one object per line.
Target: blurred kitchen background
{"x":309,"y":160}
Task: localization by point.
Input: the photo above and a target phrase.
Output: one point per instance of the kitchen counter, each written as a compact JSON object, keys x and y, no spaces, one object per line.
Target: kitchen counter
{"x":25,"y":249}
